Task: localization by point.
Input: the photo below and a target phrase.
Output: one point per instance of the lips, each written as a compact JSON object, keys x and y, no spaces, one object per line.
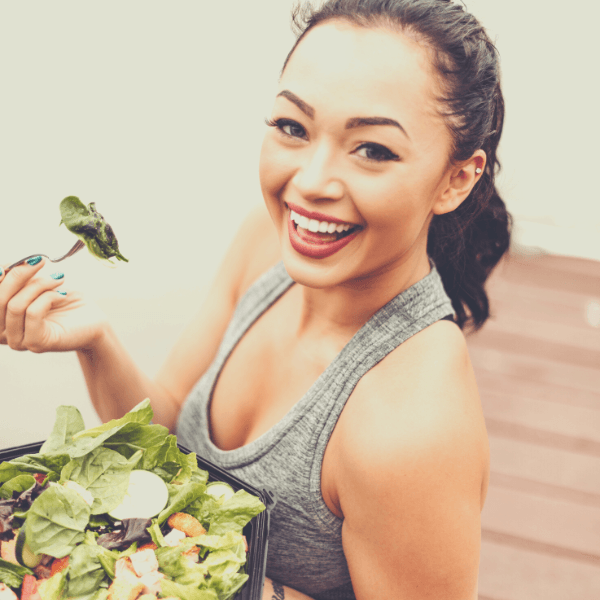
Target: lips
{"x":316,"y":235}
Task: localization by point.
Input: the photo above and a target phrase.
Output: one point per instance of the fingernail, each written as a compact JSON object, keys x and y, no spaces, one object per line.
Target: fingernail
{"x":34,"y":261}
{"x":57,"y":275}
{"x":61,"y":293}
{"x":1,"y":272}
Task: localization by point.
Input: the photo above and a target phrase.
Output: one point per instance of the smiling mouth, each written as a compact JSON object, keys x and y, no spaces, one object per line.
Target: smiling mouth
{"x":323,"y":232}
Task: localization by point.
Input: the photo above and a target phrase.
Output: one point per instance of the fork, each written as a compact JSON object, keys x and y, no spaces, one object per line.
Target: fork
{"x":76,"y":248}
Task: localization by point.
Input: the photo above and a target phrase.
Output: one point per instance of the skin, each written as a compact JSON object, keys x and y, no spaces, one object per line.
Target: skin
{"x":411,"y":439}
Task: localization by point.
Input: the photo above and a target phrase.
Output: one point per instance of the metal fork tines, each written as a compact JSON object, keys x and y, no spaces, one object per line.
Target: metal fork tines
{"x":76,"y":248}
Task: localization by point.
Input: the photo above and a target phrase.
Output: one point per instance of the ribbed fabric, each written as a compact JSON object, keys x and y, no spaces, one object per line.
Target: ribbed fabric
{"x":305,"y":542}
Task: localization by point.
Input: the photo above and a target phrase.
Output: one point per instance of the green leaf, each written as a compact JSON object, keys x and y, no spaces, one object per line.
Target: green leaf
{"x":141,"y":413}
{"x":68,"y":422}
{"x":185,"y":494}
{"x":235,"y":513}
{"x":20,"y":483}
{"x":33,"y":463}
{"x":223,"y":562}
{"x":186,"y":592}
{"x":51,"y":589}
{"x":105,"y":474}
{"x":226,"y":586}
{"x":56,"y":521}
{"x":85,"y":570}
{"x":90,"y":227}
{"x":134,"y":437}
{"x":11,"y":574}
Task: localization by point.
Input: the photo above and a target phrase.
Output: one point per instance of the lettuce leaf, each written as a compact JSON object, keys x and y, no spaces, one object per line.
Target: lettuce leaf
{"x":186,"y":592}
{"x":182,"y":496}
{"x":235,"y":513}
{"x":33,"y":463}
{"x":56,"y":521}
{"x":19,"y":484}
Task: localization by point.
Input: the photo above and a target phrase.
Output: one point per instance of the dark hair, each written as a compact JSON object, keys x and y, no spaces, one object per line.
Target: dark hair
{"x":467,"y":243}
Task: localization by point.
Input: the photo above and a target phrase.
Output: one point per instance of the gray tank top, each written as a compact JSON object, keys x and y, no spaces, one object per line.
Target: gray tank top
{"x":305,"y":540}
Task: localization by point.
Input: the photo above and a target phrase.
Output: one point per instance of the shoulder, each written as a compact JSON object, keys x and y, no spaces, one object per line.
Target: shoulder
{"x":254,"y":250}
{"x":412,"y":462}
{"x":423,"y":399}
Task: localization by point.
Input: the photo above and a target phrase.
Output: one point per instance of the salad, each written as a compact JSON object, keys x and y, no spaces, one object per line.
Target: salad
{"x":117,"y":512}
{"x":91,"y":228}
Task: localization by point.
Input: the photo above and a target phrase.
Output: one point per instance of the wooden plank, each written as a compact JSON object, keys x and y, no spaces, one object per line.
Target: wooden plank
{"x":509,"y":573}
{"x":536,"y":369}
{"x":549,"y":525}
{"x":550,"y":466}
{"x":541,"y":330}
{"x":522,"y":387}
{"x":573,"y":421}
{"x":524,"y":343}
{"x":551,"y":275}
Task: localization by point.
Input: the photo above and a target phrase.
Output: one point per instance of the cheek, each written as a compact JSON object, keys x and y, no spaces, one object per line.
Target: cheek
{"x":273,"y":172}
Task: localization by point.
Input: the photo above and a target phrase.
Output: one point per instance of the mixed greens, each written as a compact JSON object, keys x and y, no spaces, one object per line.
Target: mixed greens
{"x":91,"y":228}
{"x":54,"y":516}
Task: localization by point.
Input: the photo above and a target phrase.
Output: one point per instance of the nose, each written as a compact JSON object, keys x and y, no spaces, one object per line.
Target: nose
{"x":316,"y":177}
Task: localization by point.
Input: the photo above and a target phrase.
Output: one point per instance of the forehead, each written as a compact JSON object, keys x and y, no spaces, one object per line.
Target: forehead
{"x":360,"y":70}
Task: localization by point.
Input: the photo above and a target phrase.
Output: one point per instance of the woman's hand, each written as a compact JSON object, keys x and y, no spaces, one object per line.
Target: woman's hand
{"x":36,"y":314}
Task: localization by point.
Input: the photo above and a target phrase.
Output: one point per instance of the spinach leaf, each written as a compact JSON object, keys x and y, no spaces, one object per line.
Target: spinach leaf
{"x":85,"y":570}
{"x":105,"y":474}
{"x":91,"y":228}
{"x":68,"y":422}
{"x":11,"y":574}
{"x":33,"y":463}
{"x":56,"y":521}
{"x":51,"y":589}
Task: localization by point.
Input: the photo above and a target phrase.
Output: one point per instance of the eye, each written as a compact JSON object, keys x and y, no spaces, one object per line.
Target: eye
{"x":288,"y":127}
{"x":376,"y":153}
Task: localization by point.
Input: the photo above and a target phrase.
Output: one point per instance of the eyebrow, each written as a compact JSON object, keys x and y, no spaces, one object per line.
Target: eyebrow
{"x":309,"y":111}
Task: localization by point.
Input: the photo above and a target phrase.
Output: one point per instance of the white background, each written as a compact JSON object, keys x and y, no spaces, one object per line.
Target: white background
{"x":154,"y":110}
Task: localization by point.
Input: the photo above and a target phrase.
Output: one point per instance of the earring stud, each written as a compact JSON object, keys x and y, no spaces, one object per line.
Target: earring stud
{"x":478,"y":170}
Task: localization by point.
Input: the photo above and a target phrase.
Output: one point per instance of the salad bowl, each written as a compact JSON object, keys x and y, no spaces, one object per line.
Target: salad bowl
{"x":255,"y":531}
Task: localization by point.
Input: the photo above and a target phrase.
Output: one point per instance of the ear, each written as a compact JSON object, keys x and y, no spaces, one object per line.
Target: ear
{"x":461,"y":179}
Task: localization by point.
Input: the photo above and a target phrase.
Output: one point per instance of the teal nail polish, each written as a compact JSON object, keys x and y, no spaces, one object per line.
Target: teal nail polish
{"x":34,"y":261}
{"x":57,"y":275}
{"x":61,"y":293}
{"x":1,"y":272}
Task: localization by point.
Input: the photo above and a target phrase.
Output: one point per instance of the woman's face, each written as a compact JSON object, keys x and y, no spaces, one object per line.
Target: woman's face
{"x":357,"y":145}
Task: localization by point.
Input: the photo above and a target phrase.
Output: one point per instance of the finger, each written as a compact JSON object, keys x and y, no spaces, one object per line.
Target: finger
{"x":18,"y":305}
{"x":15,"y":280}
{"x":38,"y":336}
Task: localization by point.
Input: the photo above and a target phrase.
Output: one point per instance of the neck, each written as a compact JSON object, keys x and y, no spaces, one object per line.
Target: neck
{"x":342,"y":310}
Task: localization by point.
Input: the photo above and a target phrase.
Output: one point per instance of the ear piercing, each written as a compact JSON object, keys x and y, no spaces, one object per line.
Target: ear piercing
{"x":478,"y":170}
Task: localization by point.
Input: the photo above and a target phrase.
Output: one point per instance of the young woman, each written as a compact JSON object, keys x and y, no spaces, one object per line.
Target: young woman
{"x":325,"y":364}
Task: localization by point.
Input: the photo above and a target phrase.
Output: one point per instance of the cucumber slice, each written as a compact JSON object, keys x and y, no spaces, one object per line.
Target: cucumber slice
{"x":146,"y":496}
{"x":23,"y":552}
{"x":219,"y":489}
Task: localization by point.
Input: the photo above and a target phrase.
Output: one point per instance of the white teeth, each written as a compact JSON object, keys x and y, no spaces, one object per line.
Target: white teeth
{"x":318,"y":226}
{"x":313,"y":225}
